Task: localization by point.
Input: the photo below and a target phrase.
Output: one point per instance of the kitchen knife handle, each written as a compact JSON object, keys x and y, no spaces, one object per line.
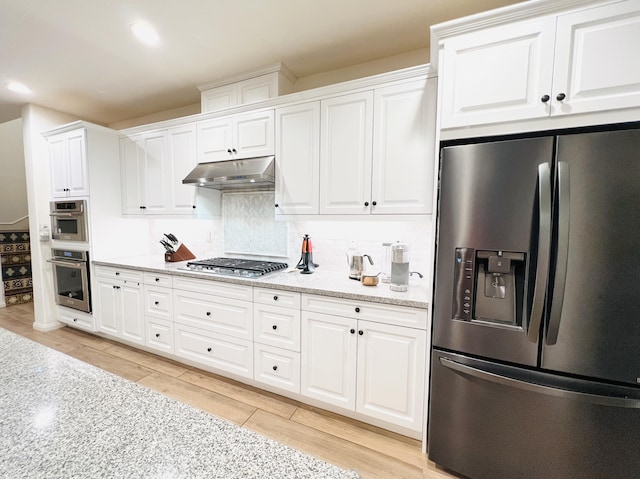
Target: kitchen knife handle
{"x":563,"y":253}
{"x":544,"y":249}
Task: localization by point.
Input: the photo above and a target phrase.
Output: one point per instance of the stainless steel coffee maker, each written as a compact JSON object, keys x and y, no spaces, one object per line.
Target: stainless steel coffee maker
{"x":399,"y":267}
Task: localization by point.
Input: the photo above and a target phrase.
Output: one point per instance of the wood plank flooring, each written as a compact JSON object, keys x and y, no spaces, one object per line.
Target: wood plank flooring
{"x":373,"y":452}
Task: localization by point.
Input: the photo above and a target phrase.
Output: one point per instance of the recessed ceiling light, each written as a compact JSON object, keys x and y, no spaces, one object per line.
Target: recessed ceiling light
{"x":145,"y":33}
{"x":17,"y":87}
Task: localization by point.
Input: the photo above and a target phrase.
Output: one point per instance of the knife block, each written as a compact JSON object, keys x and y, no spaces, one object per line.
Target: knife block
{"x":183,"y":254}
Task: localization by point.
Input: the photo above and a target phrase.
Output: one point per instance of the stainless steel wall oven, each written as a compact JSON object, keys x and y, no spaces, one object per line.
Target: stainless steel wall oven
{"x":69,"y":220}
{"x":71,"y":278}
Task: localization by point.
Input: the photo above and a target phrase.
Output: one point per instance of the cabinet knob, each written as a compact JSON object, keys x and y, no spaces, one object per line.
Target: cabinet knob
{"x":374,"y":203}
{"x":194,"y":207}
{"x":117,"y":273}
{"x":208,"y":350}
{"x":545,"y":98}
{"x":75,"y":320}
{"x":352,"y":331}
{"x":157,"y":335}
{"x":229,"y":150}
{"x":275,"y":368}
{"x":561,"y":96}
{"x":366,"y":203}
{"x":277,"y":205}
{"x":360,"y":332}
{"x":157,"y":279}
{"x":156,"y":303}
{"x":275,"y":298}
{"x":208,"y":313}
{"x":357,"y":310}
{"x":274,"y":327}
{"x":234,"y":150}
{"x":143,"y":207}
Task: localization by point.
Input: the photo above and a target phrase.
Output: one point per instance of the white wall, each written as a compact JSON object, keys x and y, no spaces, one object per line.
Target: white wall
{"x":13,"y":186}
{"x":35,"y":120}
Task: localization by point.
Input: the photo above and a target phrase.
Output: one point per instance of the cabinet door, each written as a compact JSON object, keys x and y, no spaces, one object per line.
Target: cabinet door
{"x":258,"y":88}
{"x":298,"y":159}
{"x":131,"y":311}
{"x":182,"y":159}
{"x":59,"y":166}
{"x":254,"y":134}
{"x":219,"y":98}
{"x":108,"y":310}
{"x":403,"y":156}
{"x":391,"y":372}
{"x":328,"y":359}
{"x":78,"y":179}
{"x":345,"y":154}
{"x":594,"y":66}
{"x":214,"y":139}
{"x":154,"y":150}
{"x":497,"y":74}
{"x":131,"y":165}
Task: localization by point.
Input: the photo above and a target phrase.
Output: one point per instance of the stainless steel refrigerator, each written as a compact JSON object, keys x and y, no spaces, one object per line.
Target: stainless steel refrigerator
{"x":536,"y":324}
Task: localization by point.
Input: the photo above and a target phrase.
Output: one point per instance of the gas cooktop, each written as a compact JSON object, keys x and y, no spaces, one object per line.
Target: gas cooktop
{"x":245,"y":268}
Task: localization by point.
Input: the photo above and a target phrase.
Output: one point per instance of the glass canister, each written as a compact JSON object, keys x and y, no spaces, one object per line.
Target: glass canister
{"x":385,"y":277}
{"x":399,"y":267}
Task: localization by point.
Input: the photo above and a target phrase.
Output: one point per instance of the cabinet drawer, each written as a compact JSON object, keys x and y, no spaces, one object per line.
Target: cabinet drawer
{"x":159,"y":334}
{"x":164,"y":280}
{"x":381,"y":313}
{"x":226,"y":290}
{"x":158,"y":302}
{"x":226,"y":316}
{"x":119,"y":273}
{"x":276,"y":326}
{"x":78,"y":320}
{"x":285,"y":299}
{"x":216,"y":350}
{"x":277,"y":367}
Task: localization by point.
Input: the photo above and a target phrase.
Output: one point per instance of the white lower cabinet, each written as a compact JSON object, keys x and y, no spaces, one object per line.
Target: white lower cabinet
{"x":77,"y":319}
{"x":218,"y":351}
{"x":277,"y":367}
{"x":372,"y":368}
{"x":159,"y":334}
{"x":120,"y":304}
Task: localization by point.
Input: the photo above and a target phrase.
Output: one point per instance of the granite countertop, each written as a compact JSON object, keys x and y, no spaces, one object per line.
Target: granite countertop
{"x":60,"y":417}
{"x":321,"y":282}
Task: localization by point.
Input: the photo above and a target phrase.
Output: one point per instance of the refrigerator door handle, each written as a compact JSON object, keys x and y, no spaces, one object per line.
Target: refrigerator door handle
{"x":563,"y":253}
{"x":614,"y":401}
{"x":544,"y":249}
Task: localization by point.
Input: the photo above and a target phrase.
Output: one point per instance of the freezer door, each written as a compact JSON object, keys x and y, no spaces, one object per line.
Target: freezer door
{"x":594,"y":324}
{"x":490,"y":421}
{"x":493,"y":248}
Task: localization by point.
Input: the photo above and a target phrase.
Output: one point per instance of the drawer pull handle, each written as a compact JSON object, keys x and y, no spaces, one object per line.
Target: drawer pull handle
{"x":208,"y":313}
{"x":274,"y":327}
{"x":157,"y":335}
{"x":156,"y":303}
{"x":357,"y":310}
{"x":208,"y":350}
{"x":275,"y":368}
{"x":275,"y":298}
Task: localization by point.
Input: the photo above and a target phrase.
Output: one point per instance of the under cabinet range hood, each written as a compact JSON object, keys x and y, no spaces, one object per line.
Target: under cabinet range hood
{"x":242,"y":174}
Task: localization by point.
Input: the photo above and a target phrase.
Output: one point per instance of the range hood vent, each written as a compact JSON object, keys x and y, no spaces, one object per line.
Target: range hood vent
{"x":245,"y":174}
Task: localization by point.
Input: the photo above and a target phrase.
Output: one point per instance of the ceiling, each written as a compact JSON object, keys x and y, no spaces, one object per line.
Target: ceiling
{"x":79,"y":57}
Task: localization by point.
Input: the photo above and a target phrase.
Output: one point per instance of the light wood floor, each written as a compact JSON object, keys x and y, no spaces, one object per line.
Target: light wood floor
{"x":350,"y":444}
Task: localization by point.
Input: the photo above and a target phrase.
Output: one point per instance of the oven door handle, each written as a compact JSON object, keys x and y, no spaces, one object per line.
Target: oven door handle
{"x":66,"y":215}
{"x":75,"y":263}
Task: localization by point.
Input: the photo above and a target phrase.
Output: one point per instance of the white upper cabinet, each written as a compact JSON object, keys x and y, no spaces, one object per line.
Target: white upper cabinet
{"x":550,"y":66}
{"x":239,"y":136}
{"x":497,"y":74}
{"x":596,"y":59}
{"x":346,"y":134}
{"x":402,"y":175}
{"x":153,"y":166}
{"x":69,"y":166}
{"x":298,"y":159}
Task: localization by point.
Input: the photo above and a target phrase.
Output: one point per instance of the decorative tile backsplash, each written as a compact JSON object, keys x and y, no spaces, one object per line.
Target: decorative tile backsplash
{"x":250,"y":227}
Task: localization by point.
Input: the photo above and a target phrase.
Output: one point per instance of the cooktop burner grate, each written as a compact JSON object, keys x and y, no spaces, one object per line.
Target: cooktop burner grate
{"x":236,"y":267}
